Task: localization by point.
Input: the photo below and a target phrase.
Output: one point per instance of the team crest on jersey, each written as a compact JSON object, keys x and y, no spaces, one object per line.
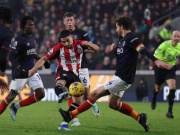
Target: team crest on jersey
{"x":169,"y":56}
{"x":79,"y":50}
{"x":28,"y":44}
{"x":124,"y":42}
{"x":75,"y":36}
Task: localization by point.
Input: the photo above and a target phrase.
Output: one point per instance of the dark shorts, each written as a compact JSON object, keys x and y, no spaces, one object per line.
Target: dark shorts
{"x":68,"y":76}
{"x":161,"y":75}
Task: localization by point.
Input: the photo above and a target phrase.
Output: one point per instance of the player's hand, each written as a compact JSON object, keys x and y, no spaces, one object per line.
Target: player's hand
{"x":163,"y":65}
{"x":3,"y":86}
{"x":31,"y":72}
{"x":113,"y":46}
{"x":86,"y":43}
{"x":2,"y":73}
{"x":47,"y":65}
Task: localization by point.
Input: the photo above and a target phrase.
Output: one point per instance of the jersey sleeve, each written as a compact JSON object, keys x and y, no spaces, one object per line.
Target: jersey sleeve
{"x":16,"y":45}
{"x":160,"y":50}
{"x":135,"y":43}
{"x":80,"y":42}
{"x":54,"y":52}
{"x":85,"y":36}
{"x":15,"y":48}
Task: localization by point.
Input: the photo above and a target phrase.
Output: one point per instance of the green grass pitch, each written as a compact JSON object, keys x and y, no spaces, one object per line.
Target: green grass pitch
{"x":43,"y":118}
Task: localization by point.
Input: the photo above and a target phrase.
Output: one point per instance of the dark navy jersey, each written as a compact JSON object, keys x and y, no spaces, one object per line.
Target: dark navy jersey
{"x":6,"y":37}
{"x":127,"y":56}
{"x":23,"y":53}
{"x":78,"y":34}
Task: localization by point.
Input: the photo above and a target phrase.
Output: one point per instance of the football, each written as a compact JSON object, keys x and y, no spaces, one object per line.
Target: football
{"x":76,"y":89}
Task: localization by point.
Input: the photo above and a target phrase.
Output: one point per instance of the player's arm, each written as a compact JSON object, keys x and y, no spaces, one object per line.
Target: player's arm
{"x":90,"y":45}
{"x":136,"y":44}
{"x":4,"y":52}
{"x":39,"y":64}
{"x":49,"y":56}
{"x":159,"y":63}
{"x":46,"y":64}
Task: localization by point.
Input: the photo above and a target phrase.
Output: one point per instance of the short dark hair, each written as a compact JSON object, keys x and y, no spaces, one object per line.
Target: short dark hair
{"x":125,"y":22}
{"x":24,"y":20}
{"x":6,"y":14}
{"x":68,"y":14}
{"x":64,"y":34}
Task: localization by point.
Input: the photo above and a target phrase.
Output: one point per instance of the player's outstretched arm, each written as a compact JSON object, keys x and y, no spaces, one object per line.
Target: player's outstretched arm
{"x":91,"y":45}
{"x":156,"y":61}
{"x":163,"y":65}
{"x":38,"y":65}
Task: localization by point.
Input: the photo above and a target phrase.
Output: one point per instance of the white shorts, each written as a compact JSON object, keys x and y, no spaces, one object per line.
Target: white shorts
{"x":34,"y":82}
{"x":116,"y":86}
{"x":84,"y":77}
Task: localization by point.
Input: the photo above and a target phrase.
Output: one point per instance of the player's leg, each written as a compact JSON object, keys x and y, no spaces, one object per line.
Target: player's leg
{"x":84,"y":77}
{"x":9,"y":98}
{"x":73,"y":104}
{"x":16,"y":86}
{"x":160,"y":76}
{"x":60,"y":90}
{"x":117,"y":88}
{"x":94,"y":95}
{"x":35,"y":83}
{"x":171,"y":81}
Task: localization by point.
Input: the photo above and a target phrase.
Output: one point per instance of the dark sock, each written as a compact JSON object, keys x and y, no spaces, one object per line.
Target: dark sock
{"x":171,"y":97}
{"x":73,"y":107}
{"x":155,"y":93}
{"x":59,"y":89}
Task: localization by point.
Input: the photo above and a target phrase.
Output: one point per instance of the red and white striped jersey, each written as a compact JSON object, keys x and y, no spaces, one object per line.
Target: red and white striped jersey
{"x":69,"y":59}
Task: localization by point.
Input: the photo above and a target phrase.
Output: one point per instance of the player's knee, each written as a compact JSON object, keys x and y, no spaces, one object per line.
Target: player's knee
{"x":12,"y":95}
{"x":112,"y":106}
{"x":40,"y":93}
{"x":59,"y":88}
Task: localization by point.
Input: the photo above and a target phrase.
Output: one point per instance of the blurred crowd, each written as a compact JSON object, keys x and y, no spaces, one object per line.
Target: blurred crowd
{"x":97,"y":18}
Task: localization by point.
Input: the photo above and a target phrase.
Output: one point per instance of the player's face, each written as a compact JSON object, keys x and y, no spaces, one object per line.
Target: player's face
{"x":175,"y":37}
{"x":118,"y":30}
{"x":67,"y":41}
{"x":29,"y":27}
{"x":69,"y":23}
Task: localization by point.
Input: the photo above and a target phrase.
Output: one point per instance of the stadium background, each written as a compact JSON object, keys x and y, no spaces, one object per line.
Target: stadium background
{"x":97,"y":18}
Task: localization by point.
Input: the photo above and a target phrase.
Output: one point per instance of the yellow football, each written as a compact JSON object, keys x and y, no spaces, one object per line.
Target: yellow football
{"x":76,"y":89}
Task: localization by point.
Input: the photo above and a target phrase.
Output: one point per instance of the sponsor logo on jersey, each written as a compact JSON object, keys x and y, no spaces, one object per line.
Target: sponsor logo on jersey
{"x":75,"y":36}
{"x":31,"y":51}
{"x":120,"y":50}
{"x":71,"y":61}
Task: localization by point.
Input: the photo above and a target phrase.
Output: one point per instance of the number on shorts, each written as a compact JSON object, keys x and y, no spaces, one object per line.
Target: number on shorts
{"x":84,"y":80}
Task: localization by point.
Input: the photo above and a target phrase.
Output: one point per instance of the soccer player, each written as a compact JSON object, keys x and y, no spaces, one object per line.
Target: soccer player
{"x":69,"y":54}
{"x":77,"y":34}
{"x":22,"y":57}
{"x":126,"y":51}
{"x":167,"y":51}
{"x":6,"y":36}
